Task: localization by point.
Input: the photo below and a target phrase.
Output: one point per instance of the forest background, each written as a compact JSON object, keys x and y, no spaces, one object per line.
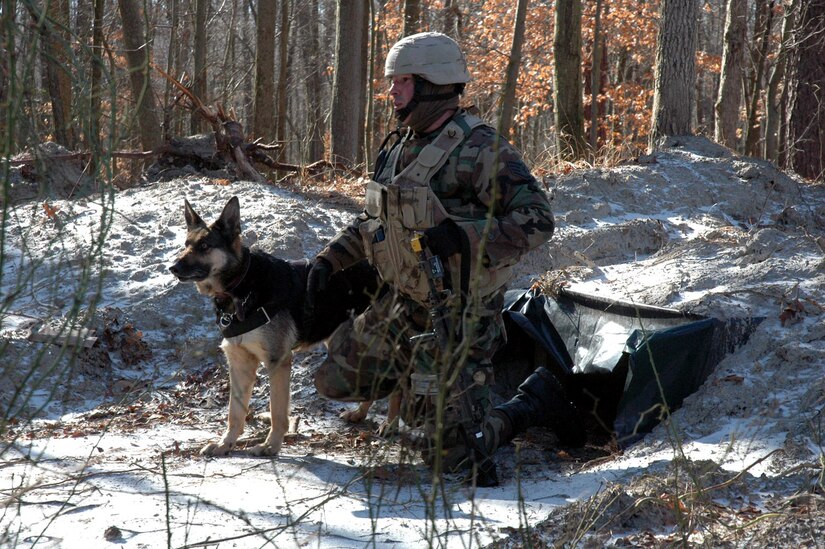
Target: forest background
{"x":107,"y":76}
{"x":110,"y":86}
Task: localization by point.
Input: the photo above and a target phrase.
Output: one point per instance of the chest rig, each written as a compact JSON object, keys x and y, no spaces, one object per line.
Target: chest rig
{"x":404,"y":204}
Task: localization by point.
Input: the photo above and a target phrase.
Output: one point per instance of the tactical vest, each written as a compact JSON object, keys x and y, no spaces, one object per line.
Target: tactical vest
{"x":406,"y":206}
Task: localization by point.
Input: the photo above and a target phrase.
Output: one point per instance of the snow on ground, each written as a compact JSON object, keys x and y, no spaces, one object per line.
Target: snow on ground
{"x":116,"y":439}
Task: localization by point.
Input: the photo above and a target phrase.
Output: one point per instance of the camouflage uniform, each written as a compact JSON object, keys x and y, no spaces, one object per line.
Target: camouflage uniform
{"x":485,"y":188}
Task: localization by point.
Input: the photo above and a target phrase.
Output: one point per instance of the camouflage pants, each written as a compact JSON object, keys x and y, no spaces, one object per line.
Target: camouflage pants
{"x":371,"y":354}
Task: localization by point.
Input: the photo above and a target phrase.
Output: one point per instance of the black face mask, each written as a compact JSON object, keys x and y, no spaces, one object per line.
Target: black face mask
{"x":428,"y":103}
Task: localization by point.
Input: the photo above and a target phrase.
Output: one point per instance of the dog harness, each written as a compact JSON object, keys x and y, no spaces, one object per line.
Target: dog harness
{"x":230,"y":304}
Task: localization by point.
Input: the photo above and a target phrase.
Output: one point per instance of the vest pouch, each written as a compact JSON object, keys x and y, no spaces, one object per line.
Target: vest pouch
{"x":376,"y":247}
{"x":374,"y":199}
{"x":416,"y":208}
{"x":409,"y":277}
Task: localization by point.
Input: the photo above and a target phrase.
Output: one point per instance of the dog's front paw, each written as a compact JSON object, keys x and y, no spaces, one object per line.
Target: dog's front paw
{"x":356,"y":415}
{"x":216,"y":449}
{"x":265,"y":450}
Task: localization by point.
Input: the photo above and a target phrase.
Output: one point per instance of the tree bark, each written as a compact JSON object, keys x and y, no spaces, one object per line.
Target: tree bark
{"x":171,"y":57}
{"x":199,"y":83}
{"x":508,"y":97}
{"x":361,"y":152}
{"x":264,"y":119}
{"x":674,"y":86}
{"x":57,"y":68}
{"x":596,"y":78}
{"x":8,"y":59}
{"x":349,"y":90}
{"x":137,"y":56}
{"x":370,"y":131}
{"x":283,"y":75}
{"x":808,"y":115}
{"x":567,"y":80}
{"x":451,"y":19}
{"x":777,"y":88}
{"x":762,"y":31}
{"x":96,"y":84}
{"x":310,"y":47}
{"x":412,"y":17}
{"x":229,"y":60}
{"x":729,"y":97}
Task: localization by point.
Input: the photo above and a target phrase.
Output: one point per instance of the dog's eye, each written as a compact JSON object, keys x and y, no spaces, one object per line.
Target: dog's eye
{"x":203,"y":247}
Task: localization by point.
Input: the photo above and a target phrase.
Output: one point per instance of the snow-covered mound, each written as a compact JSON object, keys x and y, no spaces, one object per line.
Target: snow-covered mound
{"x":691,"y":227}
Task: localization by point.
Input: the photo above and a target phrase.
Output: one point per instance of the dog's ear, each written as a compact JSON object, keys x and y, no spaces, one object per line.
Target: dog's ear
{"x":192,"y":218}
{"x":230,"y":220}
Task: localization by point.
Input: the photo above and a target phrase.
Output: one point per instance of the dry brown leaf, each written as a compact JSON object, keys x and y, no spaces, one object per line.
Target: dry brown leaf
{"x":792,"y":313}
{"x":51,"y":211}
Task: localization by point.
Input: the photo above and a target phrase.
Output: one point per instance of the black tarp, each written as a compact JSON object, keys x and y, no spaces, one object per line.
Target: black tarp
{"x":619,"y":361}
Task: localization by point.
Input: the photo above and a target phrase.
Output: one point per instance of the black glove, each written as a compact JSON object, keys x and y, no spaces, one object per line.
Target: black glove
{"x":316,"y":282}
{"x":444,"y":240}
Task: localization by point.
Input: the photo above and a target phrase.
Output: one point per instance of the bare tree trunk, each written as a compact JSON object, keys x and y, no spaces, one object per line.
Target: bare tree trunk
{"x":452,"y":18}
{"x":229,"y":61}
{"x":8,"y":58}
{"x":171,"y":57}
{"x":595,"y":78}
{"x":508,"y":98}
{"x":763,"y":31}
{"x":412,"y":17}
{"x":264,"y":117}
{"x":199,"y":83}
{"x":371,"y":57}
{"x":309,"y":22}
{"x":180,"y":123}
{"x":567,"y":88}
{"x":96,"y":84}
{"x":349,"y":89}
{"x":137,"y":56}
{"x":675,"y":83}
{"x":808,"y":115}
{"x":84,"y":59}
{"x":775,"y":99}
{"x":57,"y":69}
{"x":730,"y":82}
{"x":362,"y":155}
{"x":283,"y":72}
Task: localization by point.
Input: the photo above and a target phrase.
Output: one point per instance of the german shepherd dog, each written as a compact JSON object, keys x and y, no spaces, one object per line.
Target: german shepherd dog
{"x":259,"y":302}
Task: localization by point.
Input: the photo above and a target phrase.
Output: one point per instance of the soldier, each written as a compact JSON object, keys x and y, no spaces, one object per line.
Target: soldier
{"x":452,"y":179}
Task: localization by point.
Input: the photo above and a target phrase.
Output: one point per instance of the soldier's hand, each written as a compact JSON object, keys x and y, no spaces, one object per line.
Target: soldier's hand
{"x":316,"y":282}
{"x":444,"y":240}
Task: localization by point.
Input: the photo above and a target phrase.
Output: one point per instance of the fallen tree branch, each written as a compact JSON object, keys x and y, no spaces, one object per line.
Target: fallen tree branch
{"x":137,"y":155}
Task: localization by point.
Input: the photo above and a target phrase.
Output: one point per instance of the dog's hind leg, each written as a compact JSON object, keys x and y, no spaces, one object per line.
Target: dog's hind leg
{"x":279,"y":397}
{"x":242,"y":375}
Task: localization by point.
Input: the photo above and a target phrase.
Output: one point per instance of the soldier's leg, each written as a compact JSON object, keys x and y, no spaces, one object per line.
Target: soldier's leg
{"x":367,"y":355}
{"x":485,"y":328}
{"x":541,"y":401}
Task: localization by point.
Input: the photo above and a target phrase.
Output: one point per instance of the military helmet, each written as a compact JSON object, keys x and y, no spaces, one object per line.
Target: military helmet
{"x":431,"y":55}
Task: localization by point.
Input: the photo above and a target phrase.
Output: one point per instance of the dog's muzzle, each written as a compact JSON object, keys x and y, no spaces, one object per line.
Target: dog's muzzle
{"x":187,"y":274}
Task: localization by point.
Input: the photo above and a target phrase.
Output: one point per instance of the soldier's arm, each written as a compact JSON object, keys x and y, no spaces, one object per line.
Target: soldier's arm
{"x":519,"y":215}
{"x":346,"y":248}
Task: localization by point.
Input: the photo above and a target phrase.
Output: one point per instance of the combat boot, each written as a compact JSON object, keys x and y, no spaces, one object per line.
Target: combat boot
{"x":542,"y":401}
